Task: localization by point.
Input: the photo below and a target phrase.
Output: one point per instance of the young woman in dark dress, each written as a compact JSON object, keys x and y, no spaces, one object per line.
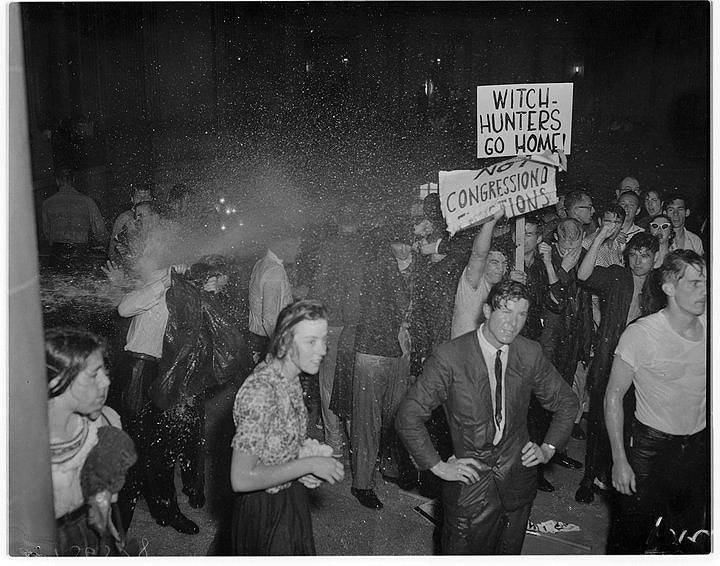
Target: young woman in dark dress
{"x":273,"y":461}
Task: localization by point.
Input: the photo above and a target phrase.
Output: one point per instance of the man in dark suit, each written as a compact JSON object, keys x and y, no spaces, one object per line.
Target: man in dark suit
{"x":484,"y":380}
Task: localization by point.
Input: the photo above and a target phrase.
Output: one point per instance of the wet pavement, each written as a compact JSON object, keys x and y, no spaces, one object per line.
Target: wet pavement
{"x":343,"y":527}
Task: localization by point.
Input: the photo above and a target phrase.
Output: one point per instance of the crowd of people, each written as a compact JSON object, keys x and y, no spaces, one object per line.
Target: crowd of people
{"x":432,"y":362}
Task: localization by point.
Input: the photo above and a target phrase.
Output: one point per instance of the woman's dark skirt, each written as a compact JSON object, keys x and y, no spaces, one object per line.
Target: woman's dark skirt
{"x":273,"y":524}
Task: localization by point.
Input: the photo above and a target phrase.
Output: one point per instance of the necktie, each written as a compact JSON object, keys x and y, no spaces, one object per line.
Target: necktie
{"x":498,"y":389}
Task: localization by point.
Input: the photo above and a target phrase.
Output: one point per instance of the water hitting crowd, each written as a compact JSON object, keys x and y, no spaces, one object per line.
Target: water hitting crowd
{"x":425,"y":358}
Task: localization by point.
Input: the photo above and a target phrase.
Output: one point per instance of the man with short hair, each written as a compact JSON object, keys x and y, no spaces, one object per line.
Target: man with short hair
{"x":484,"y":380}
{"x":627,"y":184}
{"x":661,"y":467}
{"x":125,"y":219}
{"x":611,"y":248}
{"x":678,"y":210}
{"x":486,"y":266}
{"x":579,"y":206}
{"x":270,"y":290}
{"x":622,"y":291}
{"x":69,"y":218}
{"x":629,"y":201}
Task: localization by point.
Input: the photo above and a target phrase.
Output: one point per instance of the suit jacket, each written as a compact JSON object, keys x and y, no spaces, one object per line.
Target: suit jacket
{"x":456,"y":377}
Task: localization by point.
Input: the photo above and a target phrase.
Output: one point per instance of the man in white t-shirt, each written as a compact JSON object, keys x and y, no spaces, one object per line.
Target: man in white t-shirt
{"x":487,"y":265}
{"x":663,"y":470}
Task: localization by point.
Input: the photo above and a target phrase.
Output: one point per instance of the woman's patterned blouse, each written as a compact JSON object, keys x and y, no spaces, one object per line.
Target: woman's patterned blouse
{"x":270,"y":418}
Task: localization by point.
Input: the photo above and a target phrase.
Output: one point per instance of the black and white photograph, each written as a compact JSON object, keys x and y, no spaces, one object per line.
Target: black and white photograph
{"x":358,"y":278}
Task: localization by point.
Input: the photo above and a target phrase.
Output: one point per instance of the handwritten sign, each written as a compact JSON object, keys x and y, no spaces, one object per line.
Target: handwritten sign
{"x":523,"y":119}
{"x":470,"y":197}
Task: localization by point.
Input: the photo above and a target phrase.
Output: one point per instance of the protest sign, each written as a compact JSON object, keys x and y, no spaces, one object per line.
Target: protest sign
{"x":523,"y":119}
{"x":521,"y":185}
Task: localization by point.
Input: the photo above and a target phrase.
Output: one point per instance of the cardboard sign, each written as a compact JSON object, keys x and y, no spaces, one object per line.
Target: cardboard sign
{"x":521,"y":185}
{"x":523,"y":119}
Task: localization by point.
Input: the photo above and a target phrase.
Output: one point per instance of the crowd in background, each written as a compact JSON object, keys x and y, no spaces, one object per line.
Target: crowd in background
{"x":331,"y":331}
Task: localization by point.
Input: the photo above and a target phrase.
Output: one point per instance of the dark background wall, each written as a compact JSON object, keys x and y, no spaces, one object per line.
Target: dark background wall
{"x":341,"y":93}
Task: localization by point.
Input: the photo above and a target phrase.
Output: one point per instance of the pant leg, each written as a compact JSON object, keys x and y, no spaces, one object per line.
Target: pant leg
{"x":192,"y":458}
{"x":396,"y":462}
{"x":477,"y":526}
{"x":371,"y":376}
{"x":326,"y":377}
{"x":513,"y":533}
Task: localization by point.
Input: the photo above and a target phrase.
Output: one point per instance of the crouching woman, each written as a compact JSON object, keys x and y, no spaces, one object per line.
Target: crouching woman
{"x":273,"y":461}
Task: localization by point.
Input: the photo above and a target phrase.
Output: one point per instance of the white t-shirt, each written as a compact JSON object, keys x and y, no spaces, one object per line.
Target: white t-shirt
{"x":468,"y":305}
{"x":670,"y":374}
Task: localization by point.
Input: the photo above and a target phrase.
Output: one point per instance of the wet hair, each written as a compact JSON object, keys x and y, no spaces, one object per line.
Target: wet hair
{"x":535,"y":220}
{"x":676,"y":195}
{"x":504,"y":245}
{"x":569,"y":229}
{"x":574,"y":197}
{"x":615,"y":209}
{"x":671,"y":237}
{"x":64,"y":174}
{"x":66,"y":353}
{"x":642,"y":241}
{"x":631,"y":193}
{"x":206,"y":267}
{"x":507,"y":290}
{"x":675,"y":264}
{"x":290,"y":317}
{"x":658,"y":192}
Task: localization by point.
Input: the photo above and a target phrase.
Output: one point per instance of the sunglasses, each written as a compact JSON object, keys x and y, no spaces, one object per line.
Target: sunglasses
{"x":663,"y":226}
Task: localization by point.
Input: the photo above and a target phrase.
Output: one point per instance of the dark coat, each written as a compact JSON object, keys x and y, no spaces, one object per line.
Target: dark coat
{"x":456,"y":377}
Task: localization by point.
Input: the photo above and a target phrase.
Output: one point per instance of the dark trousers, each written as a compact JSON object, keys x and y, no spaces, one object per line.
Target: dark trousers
{"x":672,"y":481}
{"x":486,"y":527}
{"x":170,"y":436}
{"x":258,"y":347}
{"x":135,"y":373}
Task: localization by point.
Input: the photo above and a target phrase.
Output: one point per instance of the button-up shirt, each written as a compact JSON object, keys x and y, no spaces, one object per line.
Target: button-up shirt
{"x":270,"y":292}
{"x":150,"y":315}
{"x":69,"y":217}
{"x":489,"y":353}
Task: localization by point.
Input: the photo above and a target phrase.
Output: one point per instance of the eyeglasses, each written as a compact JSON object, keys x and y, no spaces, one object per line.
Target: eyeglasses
{"x":656,"y":226}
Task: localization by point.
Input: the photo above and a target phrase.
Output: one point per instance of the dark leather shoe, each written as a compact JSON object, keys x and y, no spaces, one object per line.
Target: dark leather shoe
{"x":562,"y":459}
{"x":585,"y":494}
{"x":544,"y":485}
{"x":367,"y":498}
{"x":577,"y":432}
{"x":404,"y":483}
{"x":182,"y":524}
{"x":196,"y":500}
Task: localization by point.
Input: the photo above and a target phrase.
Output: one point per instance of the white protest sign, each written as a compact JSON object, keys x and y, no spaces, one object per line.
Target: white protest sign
{"x":523,"y":119}
{"x":521,"y":185}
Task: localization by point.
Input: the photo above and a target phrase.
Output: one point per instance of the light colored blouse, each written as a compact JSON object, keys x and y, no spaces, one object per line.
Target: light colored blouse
{"x":67,"y":459}
{"x":270,"y":418}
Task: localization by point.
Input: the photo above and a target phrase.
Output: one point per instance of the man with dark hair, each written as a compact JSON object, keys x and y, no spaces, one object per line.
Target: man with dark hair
{"x":484,"y":380}
{"x":621,"y":291}
{"x":610,"y":251}
{"x":677,"y":208}
{"x":661,"y":466}
{"x":486,"y":266}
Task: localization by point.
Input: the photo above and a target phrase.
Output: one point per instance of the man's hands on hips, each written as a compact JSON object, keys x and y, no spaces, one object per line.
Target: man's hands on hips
{"x":466,"y":470}
{"x":532,"y":454}
{"x":623,"y":478}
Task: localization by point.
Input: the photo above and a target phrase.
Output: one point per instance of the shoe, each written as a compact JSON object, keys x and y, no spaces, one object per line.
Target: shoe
{"x":179,"y":522}
{"x":195,"y":500}
{"x":406,"y":484}
{"x":544,"y":485}
{"x":367,"y":498}
{"x":585,"y":493}
{"x":577,"y":432}
{"x":562,"y":459}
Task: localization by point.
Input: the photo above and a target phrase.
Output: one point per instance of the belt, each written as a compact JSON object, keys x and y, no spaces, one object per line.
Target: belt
{"x":140,"y":356}
{"x":665,"y":435}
